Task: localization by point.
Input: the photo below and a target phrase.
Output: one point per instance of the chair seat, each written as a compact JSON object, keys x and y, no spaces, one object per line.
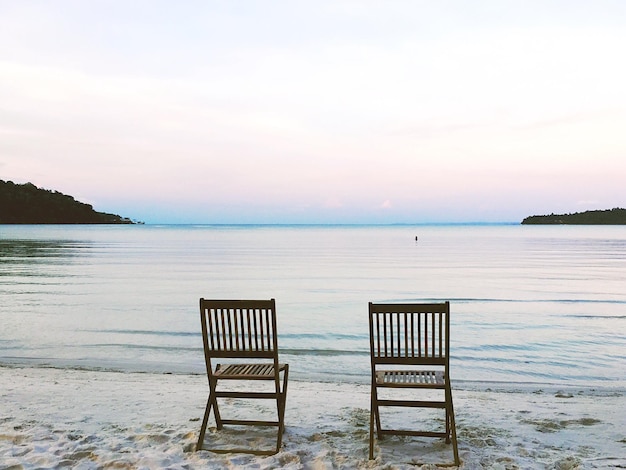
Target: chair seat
{"x":410,"y":378}
{"x":247,"y":371}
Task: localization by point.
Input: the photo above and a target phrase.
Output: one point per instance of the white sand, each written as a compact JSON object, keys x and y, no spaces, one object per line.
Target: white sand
{"x":51,"y":418}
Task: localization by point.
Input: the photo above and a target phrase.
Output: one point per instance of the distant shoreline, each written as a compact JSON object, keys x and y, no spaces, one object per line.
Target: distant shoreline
{"x":26,"y":204}
{"x":616,"y":216}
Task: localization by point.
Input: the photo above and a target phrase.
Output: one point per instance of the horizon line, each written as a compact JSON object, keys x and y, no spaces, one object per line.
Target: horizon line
{"x":327,"y":224}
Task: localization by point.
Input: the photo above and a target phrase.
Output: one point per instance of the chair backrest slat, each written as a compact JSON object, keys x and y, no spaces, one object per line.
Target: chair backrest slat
{"x":239,"y":328}
{"x":410,"y":333}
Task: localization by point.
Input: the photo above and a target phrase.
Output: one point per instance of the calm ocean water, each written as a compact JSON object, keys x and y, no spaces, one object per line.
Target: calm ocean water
{"x":542,"y":304}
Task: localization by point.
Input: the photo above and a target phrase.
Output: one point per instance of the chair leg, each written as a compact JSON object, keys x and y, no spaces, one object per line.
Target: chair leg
{"x":447,"y":422}
{"x":371,"y":456}
{"x":211,"y":403}
{"x":205,"y":421}
{"x":281,"y":402}
{"x":455,"y":448}
{"x":374,"y":417}
{"x":379,"y":426}
{"x":216,"y":409}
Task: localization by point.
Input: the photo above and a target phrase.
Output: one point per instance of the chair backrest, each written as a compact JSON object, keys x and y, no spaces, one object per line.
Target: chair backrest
{"x":239,"y":328}
{"x":411,"y":334}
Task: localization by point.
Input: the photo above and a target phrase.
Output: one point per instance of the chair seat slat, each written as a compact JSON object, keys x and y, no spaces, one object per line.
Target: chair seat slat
{"x":410,"y":377}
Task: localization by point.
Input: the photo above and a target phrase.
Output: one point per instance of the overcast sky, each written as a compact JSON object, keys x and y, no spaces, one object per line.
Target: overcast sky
{"x":321,"y":111}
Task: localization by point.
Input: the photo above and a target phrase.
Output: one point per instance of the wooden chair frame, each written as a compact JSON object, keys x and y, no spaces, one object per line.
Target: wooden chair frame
{"x":242,"y":330}
{"x":406,"y":335}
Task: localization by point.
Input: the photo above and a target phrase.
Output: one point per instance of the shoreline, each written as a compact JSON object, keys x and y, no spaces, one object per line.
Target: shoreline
{"x":100,"y":419}
{"x":597,"y":388}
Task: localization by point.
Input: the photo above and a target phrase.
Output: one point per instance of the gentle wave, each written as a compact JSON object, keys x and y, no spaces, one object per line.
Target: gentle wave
{"x":338,"y":336}
{"x":147,"y":332}
{"x":323,"y":352}
{"x":148,"y":347}
{"x":478,"y":300}
{"x":603,"y":317}
{"x":283,"y":351}
{"x":324,"y":336}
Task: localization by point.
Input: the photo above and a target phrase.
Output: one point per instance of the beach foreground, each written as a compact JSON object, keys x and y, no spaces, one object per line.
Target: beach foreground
{"x":51,"y":418}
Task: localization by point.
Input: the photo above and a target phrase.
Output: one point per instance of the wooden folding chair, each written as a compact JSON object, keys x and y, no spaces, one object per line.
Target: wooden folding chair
{"x":242,"y":330}
{"x":403,"y":336}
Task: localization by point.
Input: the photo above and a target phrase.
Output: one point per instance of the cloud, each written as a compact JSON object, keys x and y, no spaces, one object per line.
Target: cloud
{"x":386,"y":204}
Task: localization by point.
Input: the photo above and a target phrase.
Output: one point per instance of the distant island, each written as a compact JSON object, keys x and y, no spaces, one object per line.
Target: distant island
{"x":28,"y":204}
{"x":615,"y":216}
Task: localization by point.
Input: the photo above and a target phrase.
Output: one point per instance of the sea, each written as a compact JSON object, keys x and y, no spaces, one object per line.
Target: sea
{"x":529,"y":304}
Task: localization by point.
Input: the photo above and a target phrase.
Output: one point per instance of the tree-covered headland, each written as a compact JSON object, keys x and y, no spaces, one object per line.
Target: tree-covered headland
{"x":28,"y":204}
{"x":616,"y":216}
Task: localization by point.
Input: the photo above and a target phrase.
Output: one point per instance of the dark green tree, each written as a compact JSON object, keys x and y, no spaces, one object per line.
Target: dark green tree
{"x":616,"y":216}
{"x":28,"y":204}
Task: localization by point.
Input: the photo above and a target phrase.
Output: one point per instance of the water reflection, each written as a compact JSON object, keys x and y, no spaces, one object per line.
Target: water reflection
{"x":32,"y":258}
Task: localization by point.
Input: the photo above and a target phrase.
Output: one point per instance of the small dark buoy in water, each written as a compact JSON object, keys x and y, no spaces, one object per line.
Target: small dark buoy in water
{"x":415,"y":237}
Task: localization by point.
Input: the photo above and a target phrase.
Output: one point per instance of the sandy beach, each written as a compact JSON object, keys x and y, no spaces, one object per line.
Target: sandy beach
{"x":56,"y":418}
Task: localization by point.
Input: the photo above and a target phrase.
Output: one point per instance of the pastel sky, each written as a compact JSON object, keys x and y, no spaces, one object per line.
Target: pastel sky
{"x":324,"y":111}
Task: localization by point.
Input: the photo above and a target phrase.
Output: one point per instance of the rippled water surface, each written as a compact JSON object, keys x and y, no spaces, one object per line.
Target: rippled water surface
{"x":529,"y":303}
